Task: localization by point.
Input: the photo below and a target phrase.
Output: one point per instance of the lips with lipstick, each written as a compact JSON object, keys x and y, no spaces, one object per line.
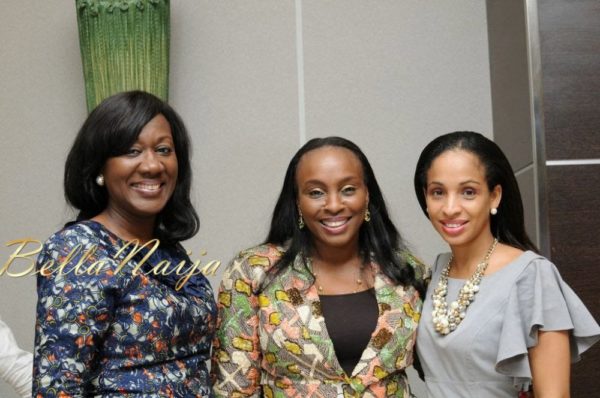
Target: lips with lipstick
{"x":147,"y":187}
{"x":335,"y":224}
{"x":453,"y":227}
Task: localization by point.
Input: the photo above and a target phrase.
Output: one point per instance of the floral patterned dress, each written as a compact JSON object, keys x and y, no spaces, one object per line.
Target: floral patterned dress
{"x":115,"y":333}
{"x":272,"y":340}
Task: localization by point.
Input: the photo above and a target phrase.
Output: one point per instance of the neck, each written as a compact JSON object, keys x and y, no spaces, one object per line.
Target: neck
{"x":335,"y":257}
{"x":126,"y":229}
{"x":466,"y":257}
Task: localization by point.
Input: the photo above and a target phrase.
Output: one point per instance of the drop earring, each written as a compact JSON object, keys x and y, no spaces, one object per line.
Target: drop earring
{"x":367,"y":215}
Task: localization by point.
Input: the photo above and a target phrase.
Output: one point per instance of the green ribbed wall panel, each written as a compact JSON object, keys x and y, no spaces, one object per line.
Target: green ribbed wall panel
{"x":124,"y":46}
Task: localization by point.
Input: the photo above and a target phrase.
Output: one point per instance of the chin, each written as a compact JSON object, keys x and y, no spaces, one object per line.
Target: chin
{"x":148,"y":213}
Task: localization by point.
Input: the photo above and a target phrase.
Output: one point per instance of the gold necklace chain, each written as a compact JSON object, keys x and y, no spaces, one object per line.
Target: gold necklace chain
{"x":444,"y":320}
{"x":320,"y":289}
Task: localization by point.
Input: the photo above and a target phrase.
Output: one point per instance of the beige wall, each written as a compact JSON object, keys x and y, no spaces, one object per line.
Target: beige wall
{"x":389,"y":75}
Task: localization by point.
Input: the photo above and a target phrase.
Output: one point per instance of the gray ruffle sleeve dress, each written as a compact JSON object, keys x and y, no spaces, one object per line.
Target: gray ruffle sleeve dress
{"x":486,"y":356}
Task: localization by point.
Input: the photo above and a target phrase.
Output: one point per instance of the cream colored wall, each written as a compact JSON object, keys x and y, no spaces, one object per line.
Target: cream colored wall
{"x":252,"y":80}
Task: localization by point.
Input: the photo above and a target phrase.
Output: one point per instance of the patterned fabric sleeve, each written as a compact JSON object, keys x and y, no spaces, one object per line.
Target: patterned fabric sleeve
{"x":422,"y":271}
{"x":236,"y":359}
{"x":422,"y":274}
{"x":74,"y":311}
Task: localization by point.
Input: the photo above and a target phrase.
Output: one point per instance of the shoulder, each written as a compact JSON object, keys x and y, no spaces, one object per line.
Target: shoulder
{"x":532,"y":265}
{"x":81,"y":253}
{"x":532,"y":276}
{"x":84,"y":233}
{"x":255,"y":262}
{"x":422,"y":270}
{"x":265,"y":255}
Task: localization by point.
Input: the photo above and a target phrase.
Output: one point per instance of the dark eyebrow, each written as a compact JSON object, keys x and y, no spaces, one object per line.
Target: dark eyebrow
{"x":462,"y":183}
{"x":342,"y":181}
{"x":435,"y":183}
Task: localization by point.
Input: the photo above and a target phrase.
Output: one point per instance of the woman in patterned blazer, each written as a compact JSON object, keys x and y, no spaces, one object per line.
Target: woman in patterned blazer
{"x":328,"y":306}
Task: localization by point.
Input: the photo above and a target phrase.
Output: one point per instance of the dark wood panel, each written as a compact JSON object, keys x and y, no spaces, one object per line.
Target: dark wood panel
{"x":570,"y":51}
{"x":574,"y":210}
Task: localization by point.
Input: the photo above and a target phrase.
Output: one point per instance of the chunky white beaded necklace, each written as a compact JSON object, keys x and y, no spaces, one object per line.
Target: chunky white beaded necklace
{"x":445,"y":321}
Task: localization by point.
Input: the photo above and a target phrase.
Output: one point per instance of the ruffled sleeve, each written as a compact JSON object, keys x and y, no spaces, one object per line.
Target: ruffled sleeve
{"x":541,"y":301}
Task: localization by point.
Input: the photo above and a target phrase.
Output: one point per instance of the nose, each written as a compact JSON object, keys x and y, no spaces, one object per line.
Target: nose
{"x":451,"y":206}
{"x":334,"y":204}
{"x":150,"y":163}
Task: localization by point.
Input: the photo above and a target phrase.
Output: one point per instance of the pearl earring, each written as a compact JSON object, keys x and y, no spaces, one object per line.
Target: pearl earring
{"x":100,"y":180}
{"x":493,"y":211}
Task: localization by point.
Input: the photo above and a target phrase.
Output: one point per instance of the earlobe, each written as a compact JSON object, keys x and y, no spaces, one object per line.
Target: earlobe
{"x":496,"y":196}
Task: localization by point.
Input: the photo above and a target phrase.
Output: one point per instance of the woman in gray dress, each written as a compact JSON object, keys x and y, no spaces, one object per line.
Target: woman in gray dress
{"x":525,"y":325}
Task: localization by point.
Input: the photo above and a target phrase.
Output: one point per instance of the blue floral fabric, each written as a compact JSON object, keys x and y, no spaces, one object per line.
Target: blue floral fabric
{"x":106,"y":331}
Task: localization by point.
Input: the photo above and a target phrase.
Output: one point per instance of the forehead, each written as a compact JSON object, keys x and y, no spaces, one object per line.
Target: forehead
{"x":329,"y":161}
{"x":157,"y":127}
{"x":456,"y":164}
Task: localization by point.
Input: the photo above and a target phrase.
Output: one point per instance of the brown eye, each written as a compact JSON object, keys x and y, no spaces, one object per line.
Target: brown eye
{"x":469,"y":193}
{"x":436,"y":192}
{"x":164,"y":150}
{"x":315,"y":193}
{"x":348,"y":190}
{"x":131,"y":152}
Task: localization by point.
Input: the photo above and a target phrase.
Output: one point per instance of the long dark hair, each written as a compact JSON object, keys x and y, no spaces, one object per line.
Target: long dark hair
{"x":110,"y":130}
{"x":379,"y":240}
{"x":509,"y":224}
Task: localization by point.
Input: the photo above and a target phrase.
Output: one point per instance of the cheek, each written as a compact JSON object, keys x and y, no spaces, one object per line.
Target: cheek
{"x":430,"y":204}
{"x":305,"y":207}
{"x":173,"y":168}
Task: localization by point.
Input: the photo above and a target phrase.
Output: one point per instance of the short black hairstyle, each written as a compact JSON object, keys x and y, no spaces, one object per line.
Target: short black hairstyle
{"x":379,"y":239}
{"x":509,"y":224}
{"x":110,"y":130}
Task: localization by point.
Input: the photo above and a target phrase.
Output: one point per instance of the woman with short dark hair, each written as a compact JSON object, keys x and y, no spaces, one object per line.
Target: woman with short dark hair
{"x":497,"y":315}
{"x":115,"y":320}
{"x":329,"y":304}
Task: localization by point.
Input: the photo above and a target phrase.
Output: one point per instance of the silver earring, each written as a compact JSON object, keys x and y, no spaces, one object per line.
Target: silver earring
{"x":100,"y":180}
{"x":493,"y":211}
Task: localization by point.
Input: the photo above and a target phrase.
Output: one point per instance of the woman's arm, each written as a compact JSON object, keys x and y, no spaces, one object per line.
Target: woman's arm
{"x":551,"y":365}
{"x":236,"y":356}
{"x":73,"y":314}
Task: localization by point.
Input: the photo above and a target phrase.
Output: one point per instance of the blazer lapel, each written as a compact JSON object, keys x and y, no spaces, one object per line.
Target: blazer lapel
{"x":393,"y":337}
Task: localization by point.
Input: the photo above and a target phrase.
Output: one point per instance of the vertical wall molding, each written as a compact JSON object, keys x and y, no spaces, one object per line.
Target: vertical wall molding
{"x":300,"y":72}
{"x":537,"y":127}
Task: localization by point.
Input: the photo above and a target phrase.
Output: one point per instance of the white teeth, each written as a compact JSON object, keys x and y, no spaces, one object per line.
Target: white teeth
{"x":453,"y":225}
{"x":150,"y":187}
{"x":334,"y":224}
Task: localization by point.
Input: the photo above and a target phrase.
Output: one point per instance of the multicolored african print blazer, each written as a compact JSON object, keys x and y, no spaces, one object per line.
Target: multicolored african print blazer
{"x":272,"y":340}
